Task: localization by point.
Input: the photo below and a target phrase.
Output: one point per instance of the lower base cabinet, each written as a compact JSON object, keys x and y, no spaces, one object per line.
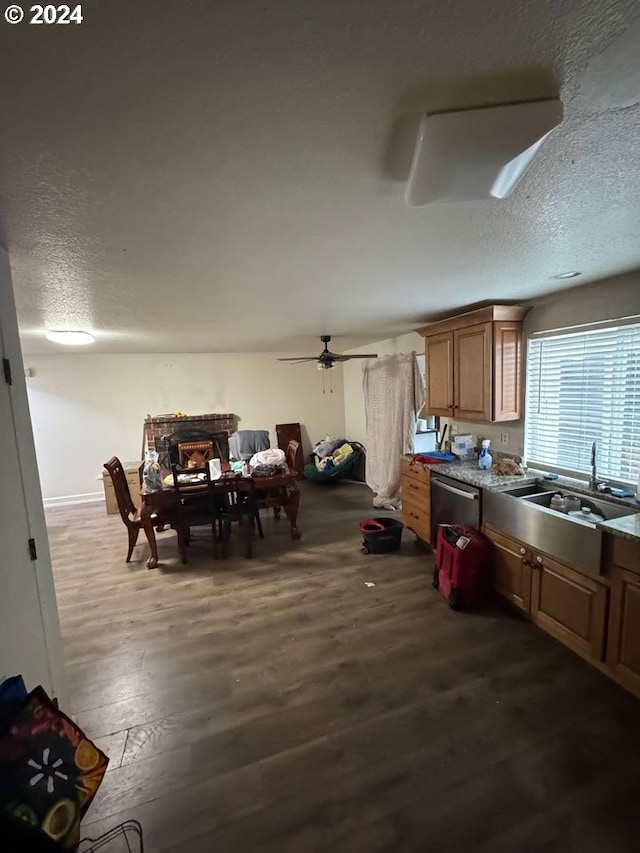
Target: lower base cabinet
{"x":570,"y":606}
{"x":510,"y":570}
{"x":623,"y":642}
{"x":566,"y":604}
{"x":416,"y":499}
{"x":597,"y":618}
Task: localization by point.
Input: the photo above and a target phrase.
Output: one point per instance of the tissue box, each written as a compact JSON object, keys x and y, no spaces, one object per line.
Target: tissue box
{"x":463,"y":445}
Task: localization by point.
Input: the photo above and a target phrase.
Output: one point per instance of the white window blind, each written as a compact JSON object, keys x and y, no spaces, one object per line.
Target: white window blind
{"x":584,"y":387}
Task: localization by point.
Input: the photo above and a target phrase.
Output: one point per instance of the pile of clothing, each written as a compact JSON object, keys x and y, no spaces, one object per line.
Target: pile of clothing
{"x":331,"y":452}
{"x":244,"y":443}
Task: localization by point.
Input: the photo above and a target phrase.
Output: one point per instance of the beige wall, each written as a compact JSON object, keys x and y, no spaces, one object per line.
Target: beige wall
{"x":85,"y":408}
{"x":609,"y":299}
{"x":354,"y":417}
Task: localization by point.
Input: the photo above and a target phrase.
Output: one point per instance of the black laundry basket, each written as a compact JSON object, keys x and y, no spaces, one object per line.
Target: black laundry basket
{"x":380,"y":535}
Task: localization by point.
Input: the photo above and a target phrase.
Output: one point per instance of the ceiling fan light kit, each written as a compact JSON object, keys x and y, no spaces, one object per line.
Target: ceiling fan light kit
{"x":327,"y":359}
{"x":474,"y":154}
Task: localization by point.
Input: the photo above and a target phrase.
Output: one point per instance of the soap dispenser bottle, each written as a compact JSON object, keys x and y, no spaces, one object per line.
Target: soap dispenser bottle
{"x":485,"y":460}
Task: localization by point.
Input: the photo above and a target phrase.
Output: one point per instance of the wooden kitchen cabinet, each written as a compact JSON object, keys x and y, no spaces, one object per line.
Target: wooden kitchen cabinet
{"x":566,"y":604}
{"x":439,"y":373}
{"x":598,"y":618}
{"x":474,"y":364}
{"x":623,"y":641}
{"x":570,"y":606}
{"x":622,"y":569}
{"x":510,"y":568}
{"x":472,"y":372}
{"x":416,"y":499}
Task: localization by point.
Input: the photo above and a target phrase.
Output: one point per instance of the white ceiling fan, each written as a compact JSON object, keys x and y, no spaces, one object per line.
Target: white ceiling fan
{"x":327,"y":359}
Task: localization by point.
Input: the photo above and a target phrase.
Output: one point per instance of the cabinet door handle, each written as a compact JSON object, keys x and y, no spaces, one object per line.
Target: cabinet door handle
{"x":413,"y":486}
{"x":413,"y":515}
{"x":526,"y":563}
{"x":523,"y":551}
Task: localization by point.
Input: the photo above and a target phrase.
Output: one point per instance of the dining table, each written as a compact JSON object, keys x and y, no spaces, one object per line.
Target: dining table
{"x":278,"y":491}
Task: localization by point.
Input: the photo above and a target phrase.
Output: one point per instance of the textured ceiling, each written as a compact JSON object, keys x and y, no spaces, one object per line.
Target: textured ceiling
{"x":228,"y":176}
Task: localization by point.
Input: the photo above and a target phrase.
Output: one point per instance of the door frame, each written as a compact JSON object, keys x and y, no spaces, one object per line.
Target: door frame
{"x":28,"y":489}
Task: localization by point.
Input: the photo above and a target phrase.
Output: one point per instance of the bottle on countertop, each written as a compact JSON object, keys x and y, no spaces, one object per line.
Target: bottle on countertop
{"x":485,"y":460}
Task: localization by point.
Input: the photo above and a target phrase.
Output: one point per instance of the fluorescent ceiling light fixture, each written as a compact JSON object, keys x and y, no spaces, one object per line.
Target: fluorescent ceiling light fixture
{"x":474,"y":154}
{"x":70,"y":338}
{"x":572,"y":274}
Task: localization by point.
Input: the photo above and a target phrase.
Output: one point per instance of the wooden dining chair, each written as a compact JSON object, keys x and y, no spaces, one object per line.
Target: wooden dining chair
{"x":195,"y":506}
{"x":236,"y":502}
{"x":129,"y":513}
{"x":291,"y":454}
{"x":194,"y":454}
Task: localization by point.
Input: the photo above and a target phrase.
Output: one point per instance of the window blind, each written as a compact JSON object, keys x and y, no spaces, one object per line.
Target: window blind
{"x":584,"y":387}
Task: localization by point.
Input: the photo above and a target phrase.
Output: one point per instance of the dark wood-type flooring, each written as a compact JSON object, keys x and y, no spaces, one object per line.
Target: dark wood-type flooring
{"x":280,"y":704}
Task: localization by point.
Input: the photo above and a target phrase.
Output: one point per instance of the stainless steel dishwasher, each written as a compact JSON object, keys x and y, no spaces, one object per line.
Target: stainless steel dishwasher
{"x":453,"y":502}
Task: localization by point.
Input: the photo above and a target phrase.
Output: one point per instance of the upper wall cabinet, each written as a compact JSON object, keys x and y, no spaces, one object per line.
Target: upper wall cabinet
{"x":474,"y":364}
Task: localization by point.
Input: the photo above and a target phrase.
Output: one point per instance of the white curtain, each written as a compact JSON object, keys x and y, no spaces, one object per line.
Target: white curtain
{"x":393,"y":396}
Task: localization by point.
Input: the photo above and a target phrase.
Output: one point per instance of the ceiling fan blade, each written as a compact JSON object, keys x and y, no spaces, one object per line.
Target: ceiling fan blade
{"x":326,"y":357}
{"x":347,"y":357}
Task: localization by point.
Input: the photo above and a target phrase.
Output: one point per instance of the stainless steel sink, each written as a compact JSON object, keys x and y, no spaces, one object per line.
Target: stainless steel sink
{"x":526,"y":490}
{"x":524,"y":512}
{"x":606,"y":509}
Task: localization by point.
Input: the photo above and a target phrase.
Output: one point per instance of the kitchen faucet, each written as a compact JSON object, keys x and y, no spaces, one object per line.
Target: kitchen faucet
{"x":594,"y":483}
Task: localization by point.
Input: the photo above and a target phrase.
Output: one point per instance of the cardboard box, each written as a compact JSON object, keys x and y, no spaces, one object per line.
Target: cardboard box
{"x":133,"y":472}
{"x":463,"y":445}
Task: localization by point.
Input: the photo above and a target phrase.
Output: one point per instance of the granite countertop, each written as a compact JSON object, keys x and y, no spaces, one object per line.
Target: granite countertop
{"x":628,"y":526}
{"x":468,"y":472}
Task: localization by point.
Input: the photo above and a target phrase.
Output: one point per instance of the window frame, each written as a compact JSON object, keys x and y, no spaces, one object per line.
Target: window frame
{"x":564,"y":332}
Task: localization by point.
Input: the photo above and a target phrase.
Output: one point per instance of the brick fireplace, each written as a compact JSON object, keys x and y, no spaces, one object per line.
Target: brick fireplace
{"x":162,"y":432}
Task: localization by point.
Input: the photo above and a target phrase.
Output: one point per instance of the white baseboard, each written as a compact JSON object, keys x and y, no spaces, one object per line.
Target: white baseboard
{"x":64,"y":500}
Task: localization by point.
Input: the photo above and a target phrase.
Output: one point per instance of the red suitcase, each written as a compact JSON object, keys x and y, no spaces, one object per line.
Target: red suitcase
{"x":462,"y":555}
